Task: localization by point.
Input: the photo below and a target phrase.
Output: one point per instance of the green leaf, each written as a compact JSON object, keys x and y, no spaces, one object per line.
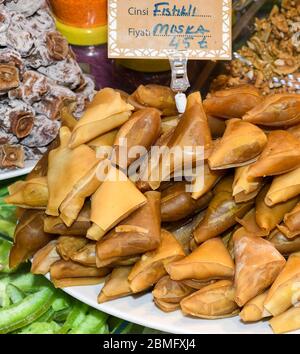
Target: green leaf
{"x":14,"y":293}
{"x":94,"y":323}
{"x":26,"y":311}
{"x":41,"y":328}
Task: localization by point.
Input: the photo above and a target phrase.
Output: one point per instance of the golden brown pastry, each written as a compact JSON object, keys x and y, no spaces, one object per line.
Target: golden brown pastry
{"x":117,"y":261}
{"x":233,"y":102}
{"x":281,"y":155}
{"x":67,"y":246}
{"x":168,"y":291}
{"x":211,"y":260}
{"x":197,"y":284}
{"x":285,"y":291}
{"x":284,"y":245}
{"x":295,"y":130}
{"x":235,"y":234}
{"x":193,"y":244}
{"x":177,"y":203}
{"x":123,"y":94}
{"x":193,"y":132}
{"x":142,"y":129}
{"x":29,"y":237}
{"x":279,"y":110}
{"x":166,"y":306}
{"x":268,"y":217}
{"x":55,"y":225}
{"x":254,"y":309}
{"x":221,"y":213}
{"x":31,"y":194}
{"x":284,"y":187}
{"x":183,"y":231}
{"x":149,"y":177}
{"x":226,"y":237}
{"x":106,"y":139}
{"x":169,"y":123}
{"x":44,"y":258}
{"x":66,"y":166}
{"x":245,"y":187}
{"x":155,"y":96}
{"x":137,"y":234}
{"x":204,"y":183}
{"x":66,"y":116}
{"x":216,"y":125}
{"x":213,"y":301}
{"x":86,"y":255}
{"x":250,"y":226}
{"x":114,"y":200}
{"x":68,"y":269}
{"x":257,"y":265}
{"x":241,"y":144}
{"x":74,"y":201}
{"x":116,"y":285}
{"x":107,"y":112}
{"x":82,"y":281}
{"x":151,"y":267}
{"x":287,"y":321}
{"x":291,"y":223}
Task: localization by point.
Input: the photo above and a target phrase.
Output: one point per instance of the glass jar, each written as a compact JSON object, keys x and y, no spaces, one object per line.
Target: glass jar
{"x":81,"y":13}
{"x":84,"y":24}
{"x":135,"y":72}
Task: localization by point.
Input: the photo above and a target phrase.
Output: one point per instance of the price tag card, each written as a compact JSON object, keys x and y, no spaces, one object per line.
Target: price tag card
{"x":151,"y":29}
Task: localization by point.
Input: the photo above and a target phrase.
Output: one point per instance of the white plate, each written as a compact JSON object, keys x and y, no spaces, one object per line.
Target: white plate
{"x":141,"y":310}
{"x":12,"y":173}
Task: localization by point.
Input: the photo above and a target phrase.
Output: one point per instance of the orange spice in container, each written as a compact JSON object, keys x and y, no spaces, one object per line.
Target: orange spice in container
{"x":84,"y":24}
{"x":80,"y":13}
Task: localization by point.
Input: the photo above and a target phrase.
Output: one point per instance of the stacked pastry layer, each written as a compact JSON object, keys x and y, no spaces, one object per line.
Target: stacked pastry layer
{"x":39,"y":76}
{"x":223,"y":243}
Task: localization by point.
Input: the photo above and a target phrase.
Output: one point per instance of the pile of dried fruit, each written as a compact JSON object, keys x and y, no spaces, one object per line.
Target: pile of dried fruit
{"x":271,"y":58}
{"x":38,"y":77}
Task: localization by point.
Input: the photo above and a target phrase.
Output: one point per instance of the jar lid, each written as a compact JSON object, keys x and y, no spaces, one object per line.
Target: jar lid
{"x":83,"y":36}
{"x":145,"y":65}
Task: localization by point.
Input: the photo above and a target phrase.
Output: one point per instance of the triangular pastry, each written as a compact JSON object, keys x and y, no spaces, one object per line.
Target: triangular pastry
{"x":151,"y":267}
{"x":285,"y":291}
{"x":211,"y":260}
{"x":241,"y":144}
{"x":279,"y":110}
{"x":284,"y":187}
{"x":114,"y":200}
{"x":268,"y":217}
{"x":30,"y":194}
{"x":245,"y":187}
{"x":107,"y":112}
{"x":221,"y":213}
{"x":254,"y":309}
{"x":211,"y":302}
{"x":116,"y":285}
{"x":137,"y":234}
{"x":65,"y":168}
{"x":257,"y":265}
{"x":281,"y":155}
{"x":233,"y":102}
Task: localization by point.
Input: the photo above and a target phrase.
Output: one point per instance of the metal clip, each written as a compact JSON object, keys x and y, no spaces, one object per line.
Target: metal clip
{"x":178,"y":61}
